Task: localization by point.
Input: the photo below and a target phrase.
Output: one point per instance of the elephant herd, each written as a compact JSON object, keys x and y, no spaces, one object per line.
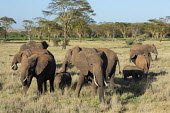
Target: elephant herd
{"x":96,"y":64}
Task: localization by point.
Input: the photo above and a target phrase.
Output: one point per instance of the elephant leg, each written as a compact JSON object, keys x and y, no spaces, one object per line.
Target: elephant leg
{"x":52,"y":84}
{"x":45,"y":86}
{"x":62,"y":91}
{"x":25,"y":88}
{"x":125,"y":77}
{"x":40,"y":84}
{"x":112,"y":80}
{"x":94,"y":88}
{"x":79,"y":84}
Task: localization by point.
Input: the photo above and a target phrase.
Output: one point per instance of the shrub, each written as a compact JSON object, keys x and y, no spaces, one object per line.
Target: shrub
{"x":56,"y":41}
{"x":130,"y":41}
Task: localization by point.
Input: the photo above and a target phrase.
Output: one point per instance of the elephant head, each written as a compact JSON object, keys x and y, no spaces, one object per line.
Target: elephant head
{"x":69,"y":57}
{"x":153,"y":50}
{"x":17,"y":59}
{"x":32,"y":66}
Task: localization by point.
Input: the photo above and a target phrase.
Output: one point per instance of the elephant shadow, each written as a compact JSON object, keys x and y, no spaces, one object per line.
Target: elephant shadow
{"x":60,"y":65}
{"x":152,"y":74}
{"x":1,"y":86}
{"x":136,"y":87}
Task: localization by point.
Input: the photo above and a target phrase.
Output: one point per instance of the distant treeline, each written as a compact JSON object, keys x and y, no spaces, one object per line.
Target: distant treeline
{"x":154,"y":29}
{"x":108,"y":30}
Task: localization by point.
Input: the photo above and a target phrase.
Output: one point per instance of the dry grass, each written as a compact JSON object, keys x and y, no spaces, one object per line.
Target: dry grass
{"x":151,"y":96}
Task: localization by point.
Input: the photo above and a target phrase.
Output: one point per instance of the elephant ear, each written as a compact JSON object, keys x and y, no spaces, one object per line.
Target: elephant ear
{"x":80,"y":61}
{"x":42,"y":62}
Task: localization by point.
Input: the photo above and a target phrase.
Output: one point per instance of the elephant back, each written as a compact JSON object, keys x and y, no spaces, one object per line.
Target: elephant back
{"x":34,"y":45}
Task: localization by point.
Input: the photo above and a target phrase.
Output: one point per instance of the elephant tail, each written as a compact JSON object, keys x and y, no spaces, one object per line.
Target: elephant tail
{"x":119,"y":66}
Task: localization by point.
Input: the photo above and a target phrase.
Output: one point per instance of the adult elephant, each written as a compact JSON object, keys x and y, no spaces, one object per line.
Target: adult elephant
{"x":34,"y":45}
{"x":89,"y":61}
{"x":27,"y":53}
{"x":112,"y":59}
{"x":142,"y":49}
{"x":40,"y":66}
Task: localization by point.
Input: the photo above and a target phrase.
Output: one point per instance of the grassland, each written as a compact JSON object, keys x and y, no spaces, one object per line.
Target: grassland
{"x":151,"y":96}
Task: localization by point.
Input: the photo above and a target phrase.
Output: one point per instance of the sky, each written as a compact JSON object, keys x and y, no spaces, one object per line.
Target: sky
{"x":106,"y":10}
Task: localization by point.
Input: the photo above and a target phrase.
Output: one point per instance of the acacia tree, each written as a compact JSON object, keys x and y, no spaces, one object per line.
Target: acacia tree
{"x":28,"y":25}
{"x":162,"y":27}
{"x":80,"y":26}
{"x":67,"y":10}
{"x":6,"y":23}
{"x":135,"y":29}
{"x":123,"y":28}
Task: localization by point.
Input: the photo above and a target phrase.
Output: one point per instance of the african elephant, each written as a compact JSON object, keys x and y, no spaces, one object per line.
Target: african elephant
{"x":89,"y":61}
{"x":143,"y":62}
{"x":40,"y":66}
{"x":62,"y":80}
{"x":18,"y":57}
{"x":34,"y":45}
{"x":112,"y":59}
{"x":133,"y":71}
{"x":141,"y":49}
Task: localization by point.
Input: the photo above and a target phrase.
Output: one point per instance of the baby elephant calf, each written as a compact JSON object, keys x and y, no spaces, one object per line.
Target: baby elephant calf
{"x":62,"y":80}
{"x":133,"y":71}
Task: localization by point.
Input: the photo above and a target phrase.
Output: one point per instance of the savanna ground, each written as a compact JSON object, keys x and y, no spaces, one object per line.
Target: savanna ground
{"x":146,"y":96}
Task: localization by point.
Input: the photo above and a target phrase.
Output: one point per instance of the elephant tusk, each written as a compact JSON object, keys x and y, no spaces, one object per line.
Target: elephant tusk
{"x":105,"y":83}
{"x":12,"y":66}
{"x":25,"y":79}
{"x":95,"y":81}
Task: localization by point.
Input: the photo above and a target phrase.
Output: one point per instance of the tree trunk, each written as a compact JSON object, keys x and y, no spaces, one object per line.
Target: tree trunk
{"x":5,"y":35}
{"x":49,"y":38}
{"x":65,"y":37}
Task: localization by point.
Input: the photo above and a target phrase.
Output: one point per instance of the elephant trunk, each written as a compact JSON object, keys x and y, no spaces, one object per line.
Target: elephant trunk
{"x":64,"y":66}
{"x":99,"y":78}
{"x":24,"y":77}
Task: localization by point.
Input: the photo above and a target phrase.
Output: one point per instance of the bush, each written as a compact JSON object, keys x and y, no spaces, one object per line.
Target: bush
{"x":56,"y":41}
{"x":130,"y":41}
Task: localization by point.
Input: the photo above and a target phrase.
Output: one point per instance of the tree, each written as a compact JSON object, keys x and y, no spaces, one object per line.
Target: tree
{"x":49,"y":27}
{"x":80,"y":26}
{"x":28,"y":24}
{"x":67,"y":10}
{"x":6,"y":23}
{"x":123,"y":28}
{"x":135,"y":29}
{"x":161,"y":27}
{"x":2,"y":31}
